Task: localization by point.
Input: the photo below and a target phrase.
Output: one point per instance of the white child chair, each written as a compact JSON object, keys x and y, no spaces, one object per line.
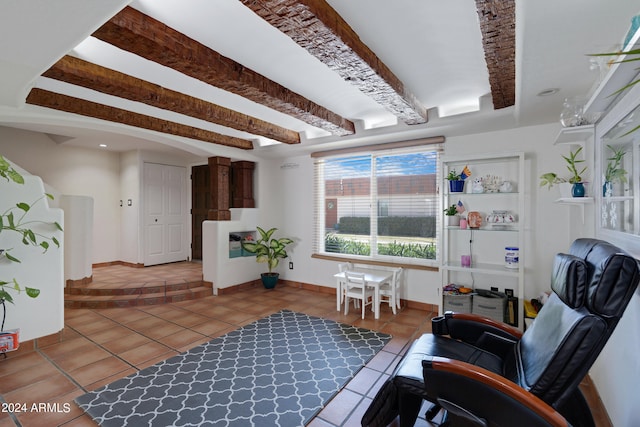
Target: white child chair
{"x":390,"y":291}
{"x":343,"y":267}
{"x":356,"y":288}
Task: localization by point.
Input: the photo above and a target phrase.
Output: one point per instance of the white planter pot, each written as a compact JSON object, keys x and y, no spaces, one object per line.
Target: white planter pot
{"x":565,"y":190}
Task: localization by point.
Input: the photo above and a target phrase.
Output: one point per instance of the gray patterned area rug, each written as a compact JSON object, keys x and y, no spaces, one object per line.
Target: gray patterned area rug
{"x":278,"y":371}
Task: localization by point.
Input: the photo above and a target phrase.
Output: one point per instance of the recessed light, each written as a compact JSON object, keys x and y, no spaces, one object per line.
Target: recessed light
{"x":549,"y":91}
{"x":103,"y":145}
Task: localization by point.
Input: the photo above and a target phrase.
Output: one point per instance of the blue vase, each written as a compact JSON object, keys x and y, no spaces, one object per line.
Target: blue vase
{"x":577,"y":190}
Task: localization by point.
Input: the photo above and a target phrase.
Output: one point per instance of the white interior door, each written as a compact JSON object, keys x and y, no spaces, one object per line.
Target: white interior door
{"x":165,"y":214}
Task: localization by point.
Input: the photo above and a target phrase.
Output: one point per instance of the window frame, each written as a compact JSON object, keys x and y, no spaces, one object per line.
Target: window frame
{"x":320,"y":197}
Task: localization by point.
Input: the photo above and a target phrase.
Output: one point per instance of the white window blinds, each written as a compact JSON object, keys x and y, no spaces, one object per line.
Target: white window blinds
{"x":381,"y":204}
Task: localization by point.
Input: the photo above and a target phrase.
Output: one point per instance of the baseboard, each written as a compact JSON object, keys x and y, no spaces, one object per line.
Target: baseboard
{"x":79,"y":282}
{"x":110,"y":263}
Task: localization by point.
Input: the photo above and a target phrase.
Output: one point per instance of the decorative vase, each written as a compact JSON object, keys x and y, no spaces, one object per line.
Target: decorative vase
{"x":269,"y":280}
{"x":607,"y":189}
{"x":456,"y":186}
{"x":577,"y":190}
{"x":571,"y":114}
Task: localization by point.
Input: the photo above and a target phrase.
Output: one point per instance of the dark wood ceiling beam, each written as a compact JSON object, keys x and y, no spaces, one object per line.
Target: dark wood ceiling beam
{"x":45,"y":98}
{"x":498,"y":28}
{"x":82,"y":73}
{"x":317,"y":27}
{"x":142,"y":35}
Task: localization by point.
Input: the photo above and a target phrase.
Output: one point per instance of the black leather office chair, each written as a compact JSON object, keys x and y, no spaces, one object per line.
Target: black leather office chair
{"x":484,"y":372}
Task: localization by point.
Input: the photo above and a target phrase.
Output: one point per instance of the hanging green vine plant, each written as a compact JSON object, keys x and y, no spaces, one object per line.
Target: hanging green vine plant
{"x":15,"y":219}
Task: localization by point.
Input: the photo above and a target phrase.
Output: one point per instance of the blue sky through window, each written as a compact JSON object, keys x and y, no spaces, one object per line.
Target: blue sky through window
{"x":399,"y":164}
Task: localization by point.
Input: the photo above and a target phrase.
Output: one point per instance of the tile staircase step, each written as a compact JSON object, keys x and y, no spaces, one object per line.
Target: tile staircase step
{"x":135,"y":300}
{"x":126,"y":286}
{"x":132,"y":288}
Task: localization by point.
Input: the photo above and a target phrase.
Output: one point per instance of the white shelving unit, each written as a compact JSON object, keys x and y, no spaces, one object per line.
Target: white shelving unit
{"x":485,"y":244}
{"x":620,"y":74}
{"x":579,"y":136}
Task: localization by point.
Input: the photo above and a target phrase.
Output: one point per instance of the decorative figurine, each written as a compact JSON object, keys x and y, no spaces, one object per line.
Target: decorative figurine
{"x":477,"y":186}
{"x":506,"y":187}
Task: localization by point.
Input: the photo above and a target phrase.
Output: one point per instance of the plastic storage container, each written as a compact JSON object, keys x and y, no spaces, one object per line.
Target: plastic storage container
{"x":490,"y":304}
{"x":457,"y":303}
{"x":512,"y":257}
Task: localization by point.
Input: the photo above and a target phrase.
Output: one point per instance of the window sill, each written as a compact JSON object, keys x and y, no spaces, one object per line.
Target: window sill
{"x":346,"y":258}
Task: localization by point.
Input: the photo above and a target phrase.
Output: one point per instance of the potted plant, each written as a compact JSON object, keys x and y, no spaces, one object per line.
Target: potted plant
{"x":550,"y":179}
{"x":614,"y":171}
{"x":14,"y":220}
{"x":456,"y":181}
{"x":577,"y":189}
{"x":452,"y":214}
{"x":269,"y":250}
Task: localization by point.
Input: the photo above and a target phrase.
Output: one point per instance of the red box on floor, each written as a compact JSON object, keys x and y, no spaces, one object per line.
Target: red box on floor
{"x":9,"y":340}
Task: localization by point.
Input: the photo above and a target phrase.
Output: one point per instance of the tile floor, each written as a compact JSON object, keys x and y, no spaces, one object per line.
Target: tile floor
{"x":98,"y":346}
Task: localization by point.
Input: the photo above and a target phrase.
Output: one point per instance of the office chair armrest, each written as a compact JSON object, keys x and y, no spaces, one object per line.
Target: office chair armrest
{"x":474,"y":393}
{"x":471,"y":328}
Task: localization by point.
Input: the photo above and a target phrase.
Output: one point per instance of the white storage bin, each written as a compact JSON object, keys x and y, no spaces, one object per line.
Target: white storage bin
{"x":457,"y":303}
{"x":490,"y":304}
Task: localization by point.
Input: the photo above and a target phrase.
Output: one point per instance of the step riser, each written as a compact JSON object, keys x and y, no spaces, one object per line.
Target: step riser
{"x":143,"y":300}
{"x":149,"y":289}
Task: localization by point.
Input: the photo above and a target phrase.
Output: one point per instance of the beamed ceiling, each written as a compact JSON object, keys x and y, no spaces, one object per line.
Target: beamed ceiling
{"x":259,"y":74}
{"x":313,"y":25}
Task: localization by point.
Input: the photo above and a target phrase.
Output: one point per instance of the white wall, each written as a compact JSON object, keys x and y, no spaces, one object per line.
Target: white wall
{"x":217,"y":267}
{"x":130,"y":178}
{"x":44,"y":315}
{"x":617,"y":370}
{"x":78,"y":236}
{"x":546,"y":223}
{"x":77,"y":172}
{"x":284,"y":199}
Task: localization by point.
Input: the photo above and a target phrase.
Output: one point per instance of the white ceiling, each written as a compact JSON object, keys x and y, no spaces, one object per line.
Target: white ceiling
{"x":433,"y":46}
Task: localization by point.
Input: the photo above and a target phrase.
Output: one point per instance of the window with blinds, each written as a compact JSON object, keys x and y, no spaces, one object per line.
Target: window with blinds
{"x":381,"y":204}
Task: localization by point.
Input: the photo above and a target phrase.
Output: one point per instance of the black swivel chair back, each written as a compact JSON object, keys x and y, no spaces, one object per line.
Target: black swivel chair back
{"x":592,"y":286}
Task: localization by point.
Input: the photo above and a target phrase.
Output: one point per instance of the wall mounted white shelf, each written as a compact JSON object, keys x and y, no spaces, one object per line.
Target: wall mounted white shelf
{"x":619,"y":75}
{"x":577,"y":135}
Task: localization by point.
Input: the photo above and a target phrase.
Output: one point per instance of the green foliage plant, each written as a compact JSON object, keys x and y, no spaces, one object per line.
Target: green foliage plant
{"x":550,"y":179}
{"x":341,"y":245}
{"x":614,"y":171}
{"x":268,"y":249}
{"x":572,"y":164}
{"x":451,"y":210}
{"x":454,"y":176}
{"x":15,"y":220}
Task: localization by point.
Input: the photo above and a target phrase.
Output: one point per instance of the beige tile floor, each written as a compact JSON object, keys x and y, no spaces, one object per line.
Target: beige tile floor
{"x":98,"y":346}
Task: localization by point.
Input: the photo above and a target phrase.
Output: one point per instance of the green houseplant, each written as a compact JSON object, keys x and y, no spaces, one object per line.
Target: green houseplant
{"x":572,"y":164}
{"x":577,"y":189}
{"x":14,"y":220}
{"x":614,"y":171}
{"x":550,"y":179}
{"x":269,"y":250}
{"x":456,"y":181}
{"x":452,"y":214}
